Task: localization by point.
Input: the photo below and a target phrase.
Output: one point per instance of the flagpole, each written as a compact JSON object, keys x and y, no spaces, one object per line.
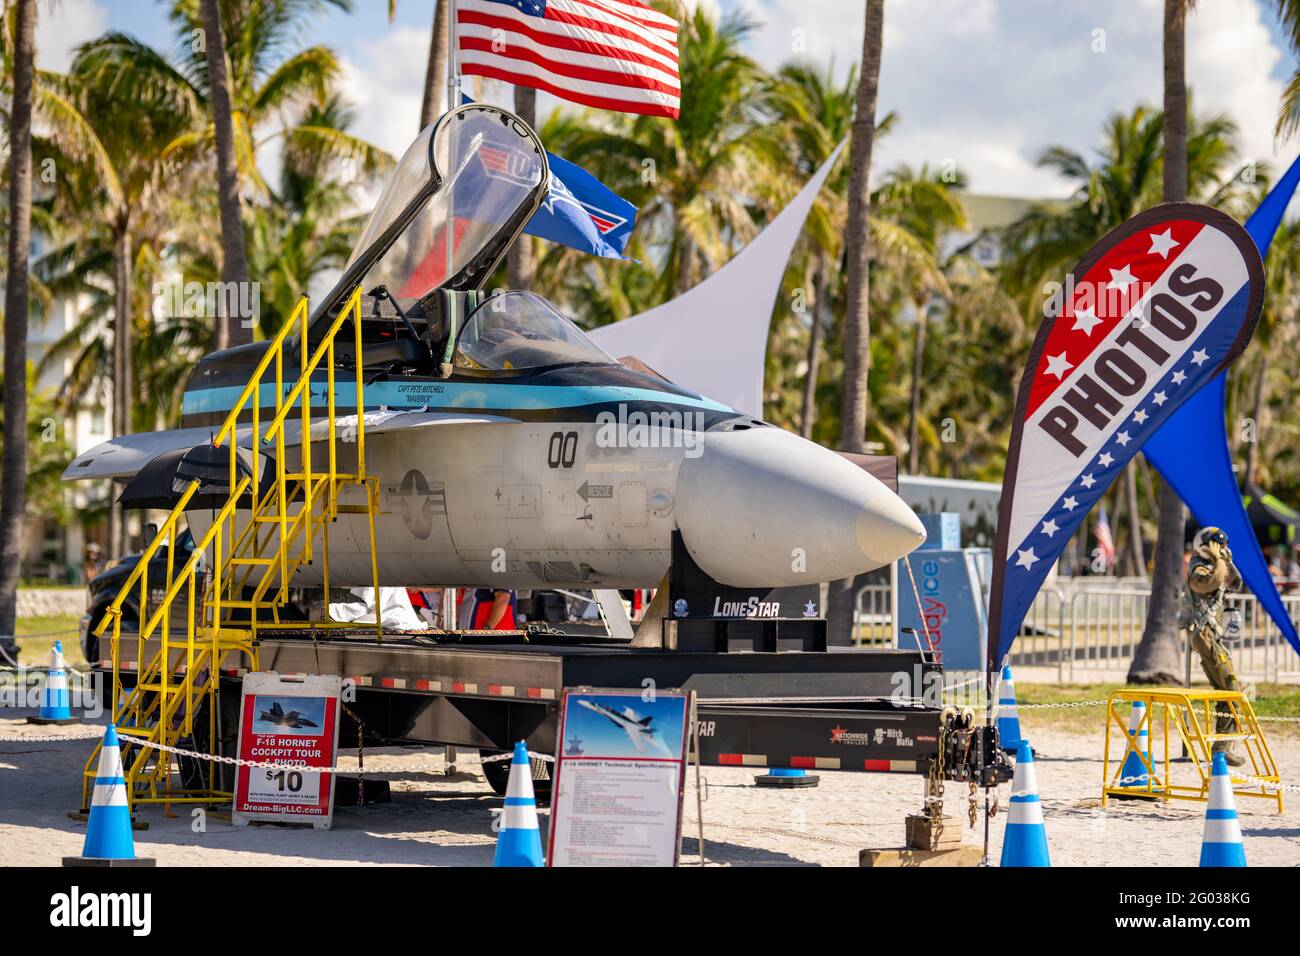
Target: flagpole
{"x":453,"y":59}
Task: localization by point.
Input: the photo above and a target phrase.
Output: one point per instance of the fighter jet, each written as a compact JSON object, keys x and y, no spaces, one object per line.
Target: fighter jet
{"x":511,"y":450}
{"x":636,"y":727}
{"x":292,"y":719}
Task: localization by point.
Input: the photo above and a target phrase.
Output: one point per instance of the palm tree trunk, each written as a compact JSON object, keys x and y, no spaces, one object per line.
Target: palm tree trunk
{"x":1158,"y":657}
{"x":520,"y":263}
{"x":857,"y":318}
{"x":1256,"y":416}
{"x":231,"y":330}
{"x":122,"y":276}
{"x":435,"y":74}
{"x":13,"y":471}
{"x":808,"y":414}
{"x":914,"y":412}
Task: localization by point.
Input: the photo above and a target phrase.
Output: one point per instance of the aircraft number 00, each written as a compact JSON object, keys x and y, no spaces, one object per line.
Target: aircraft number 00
{"x":562,"y":451}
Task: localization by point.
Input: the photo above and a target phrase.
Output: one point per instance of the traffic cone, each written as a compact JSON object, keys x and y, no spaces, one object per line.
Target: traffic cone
{"x":1134,"y":773}
{"x":1025,"y":841}
{"x":56,"y":703}
{"x":108,"y":832}
{"x":520,"y":841}
{"x":1221,"y":843}
{"x":1009,"y":738}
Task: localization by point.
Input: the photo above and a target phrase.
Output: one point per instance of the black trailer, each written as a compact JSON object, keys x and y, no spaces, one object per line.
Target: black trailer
{"x":841,"y":709}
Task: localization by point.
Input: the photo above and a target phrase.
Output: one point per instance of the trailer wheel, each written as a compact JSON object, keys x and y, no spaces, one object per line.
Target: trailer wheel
{"x":497,"y":773}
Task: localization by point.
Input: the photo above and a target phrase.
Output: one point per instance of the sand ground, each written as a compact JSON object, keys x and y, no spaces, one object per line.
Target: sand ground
{"x":436,"y":820}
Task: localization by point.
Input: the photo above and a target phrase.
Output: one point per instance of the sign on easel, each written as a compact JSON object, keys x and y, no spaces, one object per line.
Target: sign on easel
{"x":619,"y":775}
{"x":293,"y":722}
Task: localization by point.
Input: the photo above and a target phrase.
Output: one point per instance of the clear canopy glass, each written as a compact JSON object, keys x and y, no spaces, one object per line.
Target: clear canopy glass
{"x":487,"y":166}
{"x":517,"y":330}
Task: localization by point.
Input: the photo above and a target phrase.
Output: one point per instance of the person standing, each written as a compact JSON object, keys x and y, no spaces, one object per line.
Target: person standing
{"x":1210,"y":576}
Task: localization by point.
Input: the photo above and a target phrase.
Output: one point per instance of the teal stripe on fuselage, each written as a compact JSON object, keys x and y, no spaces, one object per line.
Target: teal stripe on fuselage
{"x":453,"y":395}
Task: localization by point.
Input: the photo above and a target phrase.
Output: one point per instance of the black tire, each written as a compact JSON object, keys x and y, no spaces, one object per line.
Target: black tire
{"x":497,"y":773}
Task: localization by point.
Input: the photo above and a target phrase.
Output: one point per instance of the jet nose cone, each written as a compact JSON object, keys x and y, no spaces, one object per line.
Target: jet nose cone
{"x":766,"y":507}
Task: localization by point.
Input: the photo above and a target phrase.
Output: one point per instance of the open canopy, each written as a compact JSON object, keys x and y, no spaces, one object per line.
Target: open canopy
{"x":457,"y":199}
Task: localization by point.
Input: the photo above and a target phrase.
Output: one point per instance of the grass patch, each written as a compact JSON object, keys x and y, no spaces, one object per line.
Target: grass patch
{"x":1271,"y":700}
{"x":36,"y":637}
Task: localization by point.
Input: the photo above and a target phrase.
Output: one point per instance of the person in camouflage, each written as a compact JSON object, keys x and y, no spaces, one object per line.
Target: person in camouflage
{"x":1210,"y":576}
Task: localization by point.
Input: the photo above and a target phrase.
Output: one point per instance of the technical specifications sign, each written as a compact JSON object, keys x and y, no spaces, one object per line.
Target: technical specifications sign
{"x":292,"y":722}
{"x":620,"y":769}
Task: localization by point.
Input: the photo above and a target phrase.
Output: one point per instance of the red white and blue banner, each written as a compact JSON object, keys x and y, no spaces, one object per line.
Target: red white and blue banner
{"x":1151,"y":314}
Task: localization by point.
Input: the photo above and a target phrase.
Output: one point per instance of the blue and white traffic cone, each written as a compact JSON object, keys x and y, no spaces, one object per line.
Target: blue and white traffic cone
{"x":56,"y":702}
{"x":520,"y":840}
{"x":1008,"y":715}
{"x":1025,"y":841}
{"x":1134,"y":773}
{"x":1221,"y":844}
{"x":108,"y":832}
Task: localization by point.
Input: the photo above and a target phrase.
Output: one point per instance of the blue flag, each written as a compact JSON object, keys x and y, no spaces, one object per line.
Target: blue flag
{"x":582,"y":212}
{"x":1191,"y":449}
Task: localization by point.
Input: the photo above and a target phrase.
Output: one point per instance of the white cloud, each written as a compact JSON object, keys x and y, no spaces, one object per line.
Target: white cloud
{"x":384,"y":81}
{"x":62,"y":27}
{"x":990,"y":85}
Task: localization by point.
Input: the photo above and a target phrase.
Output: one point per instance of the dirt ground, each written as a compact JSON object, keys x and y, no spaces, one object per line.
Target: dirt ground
{"x":436,"y":820}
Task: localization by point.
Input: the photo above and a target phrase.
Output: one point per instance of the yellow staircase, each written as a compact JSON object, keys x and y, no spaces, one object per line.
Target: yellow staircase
{"x":204,"y":618}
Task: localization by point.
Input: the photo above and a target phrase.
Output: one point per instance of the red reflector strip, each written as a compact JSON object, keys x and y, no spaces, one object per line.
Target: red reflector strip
{"x":730,"y":760}
{"x":803,"y":763}
{"x":876,"y":765}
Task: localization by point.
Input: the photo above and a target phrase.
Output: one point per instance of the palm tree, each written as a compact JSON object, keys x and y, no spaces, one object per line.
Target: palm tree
{"x":13,"y":472}
{"x":435,"y":74}
{"x":698,"y":180}
{"x":857,"y":322}
{"x":234,"y":262}
{"x":922,"y":206}
{"x":856,"y":332}
{"x":1281,"y":305}
{"x":816,"y":114}
{"x":1157,"y":657}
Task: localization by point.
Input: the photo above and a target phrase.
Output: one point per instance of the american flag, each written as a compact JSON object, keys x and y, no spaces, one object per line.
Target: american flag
{"x":610,"y":54}
{"x":1105,"y":543}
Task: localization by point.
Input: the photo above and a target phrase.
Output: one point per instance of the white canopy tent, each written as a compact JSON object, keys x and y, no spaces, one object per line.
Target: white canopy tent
{"x":713,"y":337}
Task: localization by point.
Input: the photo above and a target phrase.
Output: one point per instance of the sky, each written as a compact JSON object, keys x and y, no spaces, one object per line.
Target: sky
{"x":982,"y":84}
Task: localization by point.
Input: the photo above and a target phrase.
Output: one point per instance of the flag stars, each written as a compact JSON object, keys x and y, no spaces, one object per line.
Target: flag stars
{"x":1140,"y":417}
{"x":1159,"y":398}
{"x":1087,"y":481}
{"x":1026,"y":558}
{"x":1121,"y":278}
{"x":1070,"y":503}
{"x":1122,"y":438}
{"x":1200,"y":357}
{"x":1106,"y":460}
{"x":1085,"y":320}
{"x":1050,"y":528}
{"x":1162,"y":243}
{"x":1179,"y":377}
{"x":1058,"y":365}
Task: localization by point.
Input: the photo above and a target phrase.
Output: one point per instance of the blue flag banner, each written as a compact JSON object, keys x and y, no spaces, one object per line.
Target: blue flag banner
{"x":1191,"y":450}
{"x":1153,"y":313}
{"x":582,"y":212}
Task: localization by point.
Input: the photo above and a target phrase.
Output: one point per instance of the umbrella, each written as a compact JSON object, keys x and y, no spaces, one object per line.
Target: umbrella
{"x":1274,"y":522}
{"x":161,"y":482}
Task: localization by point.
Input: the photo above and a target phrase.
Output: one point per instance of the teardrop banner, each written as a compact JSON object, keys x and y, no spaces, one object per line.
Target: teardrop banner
{"x":1151,"y":314}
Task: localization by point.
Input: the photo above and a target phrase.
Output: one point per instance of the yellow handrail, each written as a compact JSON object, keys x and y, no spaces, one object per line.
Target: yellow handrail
{"x":146,"y":557}
{"x":199,"y":547}
{"x":255,"y":377}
